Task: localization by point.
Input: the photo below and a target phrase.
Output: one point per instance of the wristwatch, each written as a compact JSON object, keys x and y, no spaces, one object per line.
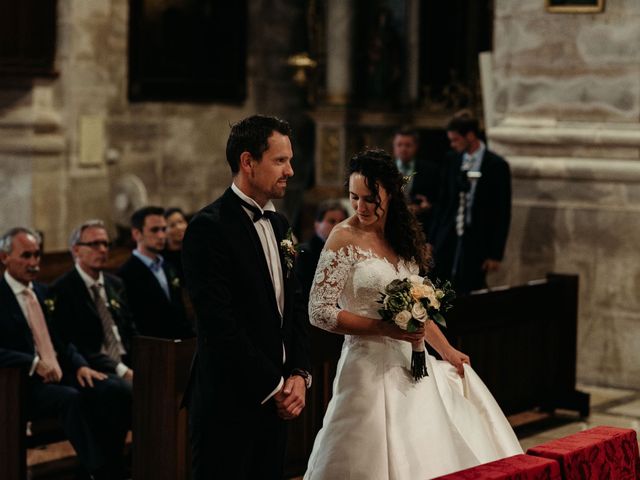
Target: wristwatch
{"x":304,"y":374}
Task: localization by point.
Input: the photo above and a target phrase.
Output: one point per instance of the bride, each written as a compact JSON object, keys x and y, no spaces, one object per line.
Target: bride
{"x":380,"y":424}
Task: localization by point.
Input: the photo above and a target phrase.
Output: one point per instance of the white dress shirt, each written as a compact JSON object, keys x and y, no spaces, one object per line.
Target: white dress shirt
{"x":269,"y":243}
{"x":121,"y":368}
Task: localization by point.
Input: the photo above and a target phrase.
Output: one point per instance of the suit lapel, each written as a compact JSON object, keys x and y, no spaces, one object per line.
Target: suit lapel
{"x":151,"y":279}
{"x":80,"y":286}
{"x":171,"y":276}
{"x":15,"y":311}
{"x":243,"y":226}
{"x":278,"y":228}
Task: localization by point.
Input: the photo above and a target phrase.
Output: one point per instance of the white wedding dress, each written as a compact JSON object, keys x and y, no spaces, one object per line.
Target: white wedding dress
{"x":380,"y":424}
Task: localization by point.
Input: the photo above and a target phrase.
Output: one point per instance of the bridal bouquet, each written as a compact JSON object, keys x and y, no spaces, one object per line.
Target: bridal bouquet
{"x":411,"y":302}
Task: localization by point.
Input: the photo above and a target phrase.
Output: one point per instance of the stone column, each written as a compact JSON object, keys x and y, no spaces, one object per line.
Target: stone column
{"x":412,"y":78}
{"x":32,"y":180}
{"x":339,"y":54}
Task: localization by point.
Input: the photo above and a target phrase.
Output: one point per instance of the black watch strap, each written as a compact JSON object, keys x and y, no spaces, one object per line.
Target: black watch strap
{"x":304,"y":374}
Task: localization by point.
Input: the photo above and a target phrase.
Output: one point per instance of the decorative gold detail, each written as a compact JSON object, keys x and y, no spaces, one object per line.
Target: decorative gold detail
{"x":595,"y":6}
{"x":330,"y":154}
{"x":301,"y":62}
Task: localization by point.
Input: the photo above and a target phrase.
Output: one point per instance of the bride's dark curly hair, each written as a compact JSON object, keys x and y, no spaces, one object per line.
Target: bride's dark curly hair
{"x":402,"y":230}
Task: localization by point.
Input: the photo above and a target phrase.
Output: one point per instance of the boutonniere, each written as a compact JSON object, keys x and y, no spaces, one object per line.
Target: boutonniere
{"x":175,"y":282}
{"x":114,"y":298}
{"x":115,"y":304}
{"x":289,"y":251}
{"x":50,"y":304}
{"x":406,"y":179}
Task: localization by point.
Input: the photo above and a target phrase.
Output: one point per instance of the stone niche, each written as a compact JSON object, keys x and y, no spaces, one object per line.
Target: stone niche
{"x":567,"y":109}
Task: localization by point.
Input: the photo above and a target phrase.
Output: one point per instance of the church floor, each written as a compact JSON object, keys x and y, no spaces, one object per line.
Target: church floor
{"x":609,"y":406}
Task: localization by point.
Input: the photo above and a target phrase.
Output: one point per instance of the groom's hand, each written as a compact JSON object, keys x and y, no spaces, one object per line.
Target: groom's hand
{"x":290,"y":400}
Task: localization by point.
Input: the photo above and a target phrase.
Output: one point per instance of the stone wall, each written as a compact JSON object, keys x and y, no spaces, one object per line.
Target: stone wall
{"x":66,"y":143}
{"x":567,"y":102}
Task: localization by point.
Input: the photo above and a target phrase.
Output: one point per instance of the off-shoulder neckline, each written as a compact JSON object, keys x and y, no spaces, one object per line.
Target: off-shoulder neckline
{"x":370,"y":253}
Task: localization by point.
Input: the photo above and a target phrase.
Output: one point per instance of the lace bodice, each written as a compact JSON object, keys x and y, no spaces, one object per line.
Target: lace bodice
{"x":351,"y":278}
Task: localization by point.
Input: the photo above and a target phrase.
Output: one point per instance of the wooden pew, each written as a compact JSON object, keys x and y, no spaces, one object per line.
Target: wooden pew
{"x":160,"y":428}
{"x":13,"y":463}
{"x":522,"y":342}
{"x":161,"y":368}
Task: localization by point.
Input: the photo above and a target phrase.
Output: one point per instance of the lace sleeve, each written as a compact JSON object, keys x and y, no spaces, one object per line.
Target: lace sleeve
{"x":328,"y":283}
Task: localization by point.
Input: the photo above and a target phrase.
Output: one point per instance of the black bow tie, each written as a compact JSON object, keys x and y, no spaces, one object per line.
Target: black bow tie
{"x":257,"y":213}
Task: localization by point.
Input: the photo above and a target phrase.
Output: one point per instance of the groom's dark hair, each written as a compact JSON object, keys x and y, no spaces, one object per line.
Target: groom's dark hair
{"x":252,"y":135}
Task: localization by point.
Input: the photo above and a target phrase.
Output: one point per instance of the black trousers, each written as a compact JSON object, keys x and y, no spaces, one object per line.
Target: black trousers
{"x":95,"y":420}
{"x":236,"y":445}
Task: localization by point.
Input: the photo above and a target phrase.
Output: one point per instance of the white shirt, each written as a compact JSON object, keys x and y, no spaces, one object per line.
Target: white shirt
{"x":472,"y":162}
{"x":17,"y":288}
{"x":269,"y":243}
{"x":121,"y":368}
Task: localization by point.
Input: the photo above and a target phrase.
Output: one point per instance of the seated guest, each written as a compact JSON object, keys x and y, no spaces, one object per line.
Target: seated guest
{"x":328,"y":215}
{"x":92,"y":309}
{"x":176,"y":226}
{"x":153,"y":285}
{"x":60,"y":382}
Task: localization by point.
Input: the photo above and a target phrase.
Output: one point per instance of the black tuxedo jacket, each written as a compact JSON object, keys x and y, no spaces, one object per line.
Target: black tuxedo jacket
{"x":76,"y":316}
{"x":240,"y":330}
{"x":154,"y":314}
{"x":486,"y":237}
{"x":17,"y":348}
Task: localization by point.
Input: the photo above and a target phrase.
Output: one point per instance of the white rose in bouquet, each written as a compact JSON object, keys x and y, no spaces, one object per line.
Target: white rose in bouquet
{"x":419,"y":312}
{"x":402,"y":319}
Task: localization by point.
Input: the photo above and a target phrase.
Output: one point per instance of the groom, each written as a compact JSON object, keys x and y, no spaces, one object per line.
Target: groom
{"x":250,"y":371}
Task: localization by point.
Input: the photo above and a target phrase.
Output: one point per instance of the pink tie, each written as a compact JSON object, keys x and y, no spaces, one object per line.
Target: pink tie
{"x":40,"y":332}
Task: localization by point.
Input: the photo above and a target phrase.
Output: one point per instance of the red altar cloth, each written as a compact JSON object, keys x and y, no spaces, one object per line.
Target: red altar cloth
{"x":518,"y":467}
{"x":597,"y":453}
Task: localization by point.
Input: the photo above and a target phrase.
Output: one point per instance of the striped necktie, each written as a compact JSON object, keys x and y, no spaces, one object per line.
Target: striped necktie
{"x":112,"y":345}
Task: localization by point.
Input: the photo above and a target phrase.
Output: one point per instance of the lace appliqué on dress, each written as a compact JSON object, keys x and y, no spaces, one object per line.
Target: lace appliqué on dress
{"x":334,"y":268}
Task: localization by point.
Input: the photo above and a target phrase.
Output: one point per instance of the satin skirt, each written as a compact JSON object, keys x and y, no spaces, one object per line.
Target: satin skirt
{"x":381,"y":425}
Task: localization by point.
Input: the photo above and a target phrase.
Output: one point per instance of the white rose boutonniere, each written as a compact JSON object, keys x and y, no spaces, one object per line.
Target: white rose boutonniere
{"x":289,"y":251}
{"x":50,"y":304}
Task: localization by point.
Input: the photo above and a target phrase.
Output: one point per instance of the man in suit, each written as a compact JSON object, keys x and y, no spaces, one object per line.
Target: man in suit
{"x":102,"y":335}
{"x":153,"y":285}
{"x":328,"y":215}
{"x":250,"y":372}
{"x":473,"y":213}
{"x":60,"y":382}
{"x":422,"y":186}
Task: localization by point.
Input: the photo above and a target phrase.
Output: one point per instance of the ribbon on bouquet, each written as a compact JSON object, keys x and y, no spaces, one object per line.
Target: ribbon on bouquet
{"x":418,"y":361}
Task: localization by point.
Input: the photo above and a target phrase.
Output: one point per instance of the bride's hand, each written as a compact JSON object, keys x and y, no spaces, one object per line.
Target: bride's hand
{"x":393,"y":331}
{"x":457,"y":359}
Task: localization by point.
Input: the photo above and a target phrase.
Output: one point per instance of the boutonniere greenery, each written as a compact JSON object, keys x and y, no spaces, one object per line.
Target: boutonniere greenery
{"x":289,"y":251}
{"x":50,"y":304}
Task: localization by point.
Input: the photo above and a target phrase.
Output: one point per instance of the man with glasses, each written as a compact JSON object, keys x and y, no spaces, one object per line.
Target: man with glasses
{"x":90,"y":308}
{"x":153,"y":285}
{"x":61,"y":381}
